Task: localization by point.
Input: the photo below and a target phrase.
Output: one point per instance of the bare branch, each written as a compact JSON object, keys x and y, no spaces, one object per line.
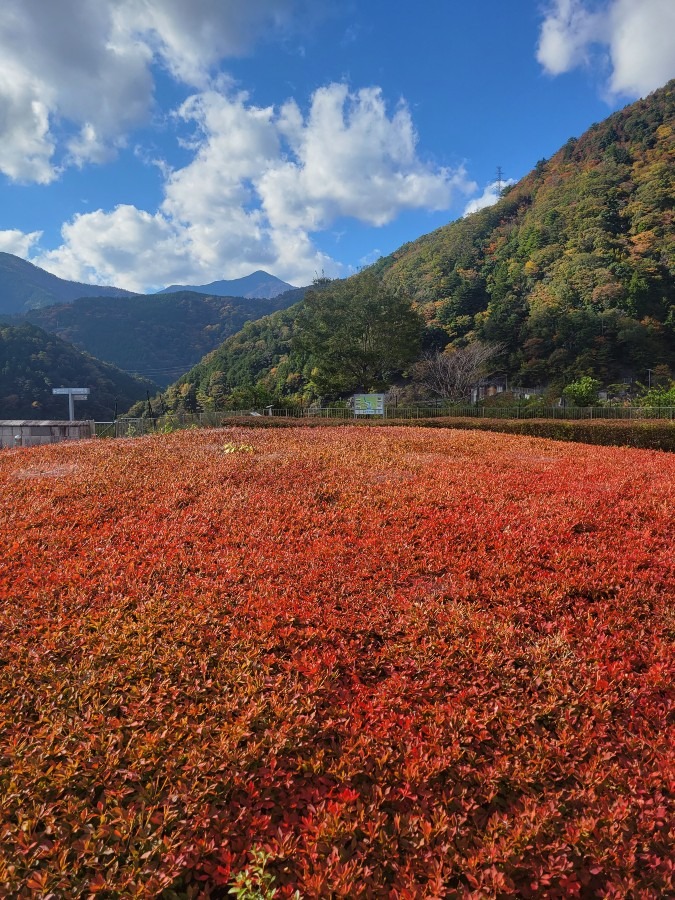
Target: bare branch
{"x":453,"y":373}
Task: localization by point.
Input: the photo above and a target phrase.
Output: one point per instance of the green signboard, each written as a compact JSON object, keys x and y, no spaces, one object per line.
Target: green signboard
{"x":368,"y":404}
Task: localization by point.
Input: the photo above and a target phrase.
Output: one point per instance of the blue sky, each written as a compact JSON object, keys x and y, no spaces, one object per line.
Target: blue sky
{"x":150,"y":142}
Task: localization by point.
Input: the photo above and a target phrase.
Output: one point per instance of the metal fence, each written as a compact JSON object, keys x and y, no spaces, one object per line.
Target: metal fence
{"x":216,"y":419}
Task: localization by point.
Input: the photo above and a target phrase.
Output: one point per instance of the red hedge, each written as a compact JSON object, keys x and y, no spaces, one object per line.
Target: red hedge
{"x":402,"y":662}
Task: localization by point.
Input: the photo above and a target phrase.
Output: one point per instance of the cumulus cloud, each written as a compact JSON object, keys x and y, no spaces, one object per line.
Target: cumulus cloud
{"x":26,"y":146}
{"x":191,"y":38}
{"x":642,"y":45}
{"x":488,"y":198}
{"x":127,"y":247}
{"x":351,"y":159}
{"x":565,"y":36}
{"x":18,"y":242}
{"x":76,"y":76}
{"x":260,"y":183}
{"x":634,"y":41}
{"x":76,"y":79}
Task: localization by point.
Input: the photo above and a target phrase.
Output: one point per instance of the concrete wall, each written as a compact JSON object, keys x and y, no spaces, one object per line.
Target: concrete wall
{"x":27,"y":433}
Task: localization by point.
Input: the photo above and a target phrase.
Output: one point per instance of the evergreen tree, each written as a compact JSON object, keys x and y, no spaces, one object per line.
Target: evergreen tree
{"x":358,"y":333}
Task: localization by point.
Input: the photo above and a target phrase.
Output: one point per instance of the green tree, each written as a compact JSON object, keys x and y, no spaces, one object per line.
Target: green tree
{"x":662,"y":395}
{"x":358,"y":333}
{"x":583,"y":392}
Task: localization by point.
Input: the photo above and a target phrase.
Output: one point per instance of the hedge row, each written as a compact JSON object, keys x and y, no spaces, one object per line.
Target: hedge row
{"x":647,"y":435}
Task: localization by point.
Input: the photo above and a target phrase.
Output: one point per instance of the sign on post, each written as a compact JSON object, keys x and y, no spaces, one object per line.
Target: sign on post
{"x":368,"y":404}
{"x":72,"y":393}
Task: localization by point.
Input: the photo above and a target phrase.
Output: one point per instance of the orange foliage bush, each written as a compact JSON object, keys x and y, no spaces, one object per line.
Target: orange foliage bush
{"x":402,"y":662}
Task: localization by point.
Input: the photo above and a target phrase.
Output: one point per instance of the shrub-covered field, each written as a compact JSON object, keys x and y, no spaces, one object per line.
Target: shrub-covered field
{"x":371,"y":662}
{"x":646,"y":434}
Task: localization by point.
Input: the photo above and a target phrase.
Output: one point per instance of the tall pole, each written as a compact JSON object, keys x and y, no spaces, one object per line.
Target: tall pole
{"x":82,"y":393}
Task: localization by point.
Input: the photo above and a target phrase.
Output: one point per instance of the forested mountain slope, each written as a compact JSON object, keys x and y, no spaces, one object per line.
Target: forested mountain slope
{"x":33,"y":362}
{"x":572,"y":272}
{"x":254,"y":367}
{"x":24,"y":286}
{"x":574,"y":269}
{"x":159,"y":336}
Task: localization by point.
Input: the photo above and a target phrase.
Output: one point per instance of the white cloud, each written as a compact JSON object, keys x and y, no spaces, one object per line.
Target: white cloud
{"x":26,"y":146}
{"x":18,"y":242}
{"x":126,"y":247}
{"x":85,"y":66}
{"x":351,"y":159}
{"x":488,"y":198}
{"x":191,"y":38}
{"x":89,"y":146}
{"x":77,"y":77}
{"x":565,"y":36}
{"x":635,"y":40}
{"x":642,"y":45}
{"x":260,"y":183}
{"x":60,"y":64}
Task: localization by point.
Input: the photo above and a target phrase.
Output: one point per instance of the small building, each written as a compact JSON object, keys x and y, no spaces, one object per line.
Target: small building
{"x":492,"y":387}
{"x":489,"y":387}
{"x":31,"y":433}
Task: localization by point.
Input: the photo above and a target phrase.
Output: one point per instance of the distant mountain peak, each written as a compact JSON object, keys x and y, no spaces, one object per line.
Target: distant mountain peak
{"x":25,"y":286}
{"x":258,"y":285}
